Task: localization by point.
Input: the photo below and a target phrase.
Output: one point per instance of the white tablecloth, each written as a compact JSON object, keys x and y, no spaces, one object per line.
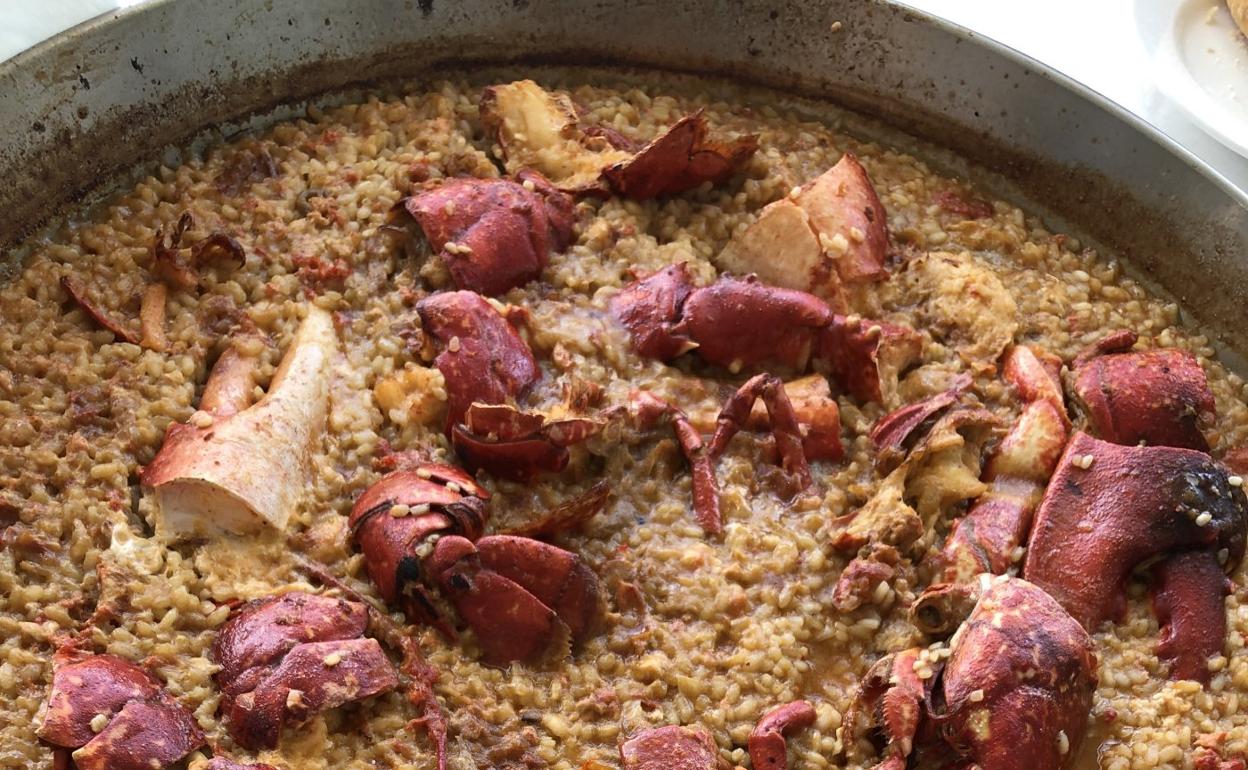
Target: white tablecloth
{"x":1093,"y":41}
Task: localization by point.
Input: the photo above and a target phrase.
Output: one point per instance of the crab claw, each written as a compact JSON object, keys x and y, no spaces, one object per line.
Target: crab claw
{"x":988,"y":537}
{"x":1158,"y":397}
{"x":671,"y":747}
{"x":493,"y":234}
{"x":517,"y":445}
{"x":832,"y":232}
{"x":867,"y":357}
{"x":483,"y":358}
{"x":679,"y":159}
{"x":397,"y":515}
{"x":286,"y":658}
{"x":1018,"y":685}
{"x":782,"y":418}
{"x":238,"y":471}
{"x":525,"y":599}
{"x":1111,"y":508}
{"x":767,"y":747}
{"x":143,"y":725}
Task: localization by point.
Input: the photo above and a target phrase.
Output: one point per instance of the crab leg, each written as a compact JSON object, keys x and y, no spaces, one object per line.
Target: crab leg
{"x":784,"y":424}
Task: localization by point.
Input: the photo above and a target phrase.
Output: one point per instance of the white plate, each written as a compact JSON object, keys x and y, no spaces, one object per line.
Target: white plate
{"x":1201,"y":63}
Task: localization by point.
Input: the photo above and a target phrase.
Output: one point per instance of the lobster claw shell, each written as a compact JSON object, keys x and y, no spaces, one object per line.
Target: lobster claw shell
{"x":1111,"y":508}
{"x":768,"y":750}
{"x":670,"y":747}
{"x":493,"y":234}
{"x":516,"y":445}
{"x":145,"y":726}
{"x":1018,"y":685}
{"x":1158,"y":397}
{"x":483,"y":358}
{"x":525,"y":599}
{"x":679,"y":159}
{"x":650,"y":307}
{"x":285,"y":658}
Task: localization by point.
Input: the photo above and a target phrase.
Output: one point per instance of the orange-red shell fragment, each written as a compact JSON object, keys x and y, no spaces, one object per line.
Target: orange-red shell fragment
{"x":493,"y":234}
{"x":483,"y":358}
{"x":145,"y":727}
{"x":286,"y":658}
{"x":1158,"y":397}
{"x":671,"y":747}
{"x":768,"y":750}
{"x":679,"y":159}
{"x":1111,"y":508}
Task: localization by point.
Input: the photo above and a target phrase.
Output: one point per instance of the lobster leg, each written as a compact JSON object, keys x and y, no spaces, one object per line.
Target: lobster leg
{"x":767,"y":747}
{"x":784,"y":423}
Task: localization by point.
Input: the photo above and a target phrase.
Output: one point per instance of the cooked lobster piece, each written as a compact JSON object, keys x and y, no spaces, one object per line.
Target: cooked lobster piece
{"x":493,"y":234}
{"x":238,"y":467}
{"x":742,"y":322}
{"x":671,"y":747}
{"x":540,"y":129}
{"x":1111,"y":509}
{"x":482,"y":358}
{"x":1011,"y":692}
{"x":825,"y":236}
{"x":768,"y":750}
{"x":420,"y":531}
{"x":1158,"y":397}
{"x":989,"y":538}
{"x":113,"y":714}
{"x":516,"y":445}
{"x":283,"y":659}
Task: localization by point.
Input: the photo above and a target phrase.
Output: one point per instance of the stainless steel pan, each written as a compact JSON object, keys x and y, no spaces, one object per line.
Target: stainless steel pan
{"x":117,"y":90}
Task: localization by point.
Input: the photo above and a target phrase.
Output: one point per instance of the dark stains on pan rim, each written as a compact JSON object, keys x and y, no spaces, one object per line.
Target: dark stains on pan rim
{"x":1092,"y":201}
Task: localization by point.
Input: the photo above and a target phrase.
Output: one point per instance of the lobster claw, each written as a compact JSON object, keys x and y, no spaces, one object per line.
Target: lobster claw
{"x":144,"y":725}
{"x":1158,"y":397}
{"x":483,"y":359}
{"x":767,"y":746}
{"x":493,"y":234}
{"x":1111,"y":508}
{"x":285,"y":658}
{"x":1013,"y":694}
{"x":525,"y":599}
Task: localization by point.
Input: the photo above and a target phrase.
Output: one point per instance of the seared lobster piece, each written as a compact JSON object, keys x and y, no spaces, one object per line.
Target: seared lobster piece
{"x":986,"y":539}
{"x":828,"y":234}
{"x":483,"y":358}
{"x":493,"y":234}
{"x":517,"y":445}
{"x":237,"y":467}
{"x":115,"y":715}
{"x":286,"y":658}
{"x":767,"y":747}
{"x":740,"y":323}
{"x":1110,"y":509}
{"x":535,"y":128}
{"x":1158,"y":397}
{"x":1014,"y":694}
{"x":679,"y":159}
{"x":420,"y":533}
{"x":671,"y":747}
